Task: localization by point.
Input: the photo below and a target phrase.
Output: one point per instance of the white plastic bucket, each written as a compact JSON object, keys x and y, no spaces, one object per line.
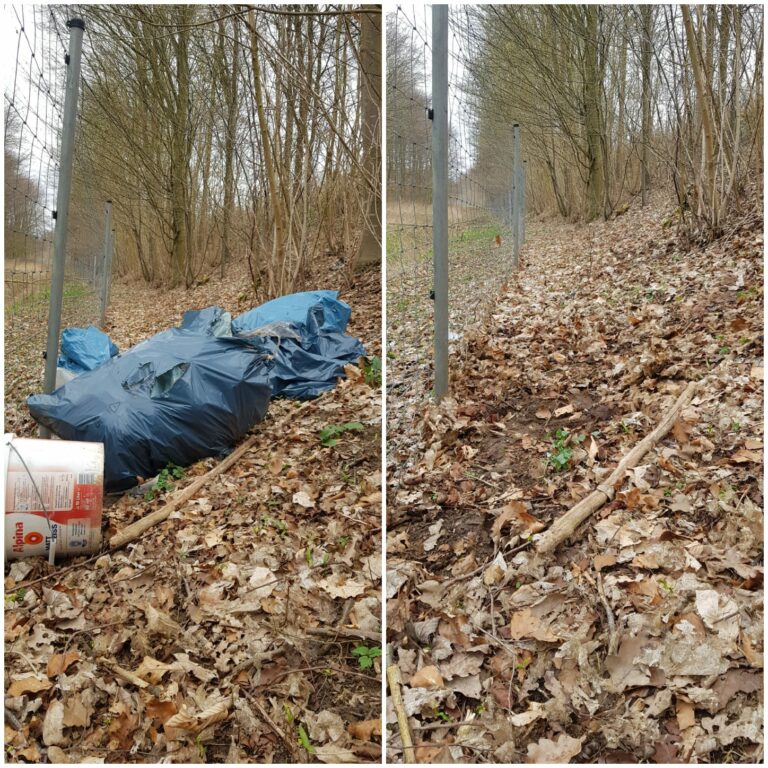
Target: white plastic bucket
{"x":53,"y":497}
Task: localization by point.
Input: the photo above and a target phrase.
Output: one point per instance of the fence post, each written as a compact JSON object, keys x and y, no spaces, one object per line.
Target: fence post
{"x":440,"y":192}
{"x":76,"y":28}
{"x":106,"y":266}
{"x":515,"y":195}
{"x":524,"y":196}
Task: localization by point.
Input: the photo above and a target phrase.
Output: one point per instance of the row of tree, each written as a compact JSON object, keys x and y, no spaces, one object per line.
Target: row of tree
{"x":615,"y":98}
{"x":612,"y":100}
{"x":223,"y":132}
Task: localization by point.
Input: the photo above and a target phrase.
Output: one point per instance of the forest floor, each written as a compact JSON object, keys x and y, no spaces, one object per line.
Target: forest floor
{"x":640,"y":638}
{"x":245,"y":628}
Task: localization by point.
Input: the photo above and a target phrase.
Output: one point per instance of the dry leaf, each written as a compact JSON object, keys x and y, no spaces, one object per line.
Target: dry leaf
{"x":743,"y":456}
{"x":339,"y":585}
{"x":561,"y":750}
{"x":604,"y":561}
{"x":332,"y":753}
{"x":59,"y":663}
{"x":365,"y":729}
{"x":55,"y":755}
{"x":262,"y":582}
{"x":162,"y":710}
{"x":325,"y":726}
{"x":32,"y":754}
{"x":152,"y":670}
{"x":195,"y":723}
{"x":526,"y":718}
{"x":428,"y":754}
{"x":681,"y":429}
{"x":28,"y":685}
{"x":736,"y":681}
{"x":686,"y":716}
{"x":525,"y":624}
{"x":76,"y":713}
{"x":53,"y":725}
{"x":523,"y":523}
{"x":427,"y":677}
{"x":303,"y":499}
{"x":161,"y":623}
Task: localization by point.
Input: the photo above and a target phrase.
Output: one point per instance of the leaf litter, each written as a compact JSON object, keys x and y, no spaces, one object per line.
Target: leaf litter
{"x":223,"y":633}
{"x":640,"y":638}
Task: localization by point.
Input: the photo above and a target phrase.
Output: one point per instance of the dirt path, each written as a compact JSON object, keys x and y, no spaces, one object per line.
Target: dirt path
{"x":252,"y":615}
{"x":640,"y":639}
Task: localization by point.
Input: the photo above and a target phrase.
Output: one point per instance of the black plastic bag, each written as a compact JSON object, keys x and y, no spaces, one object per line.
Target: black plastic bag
{"x":212,"y":321}
{"x":303,"y":361}
{"x":177,"y":397}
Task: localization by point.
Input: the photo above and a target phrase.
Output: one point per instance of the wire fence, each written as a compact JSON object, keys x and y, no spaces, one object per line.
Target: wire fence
{"x":484,"y":191}
{"x":34,"y":116}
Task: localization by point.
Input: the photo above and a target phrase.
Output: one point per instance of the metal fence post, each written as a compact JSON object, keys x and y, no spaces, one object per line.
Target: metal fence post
{"x":515,"y":195}
{"x":440,"y":192}
{"x":76,"y":29}
{"x":106,"y":268}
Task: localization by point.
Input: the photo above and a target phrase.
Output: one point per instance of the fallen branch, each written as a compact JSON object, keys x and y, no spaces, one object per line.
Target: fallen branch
{"x":125,"y":674}
{"x":343,"y":632}
{"x":58,"y":572}
{"x":565,"y":526}
{"x":395,"y":682}
{"x":271,"y":723}
{"x":135,"y":530}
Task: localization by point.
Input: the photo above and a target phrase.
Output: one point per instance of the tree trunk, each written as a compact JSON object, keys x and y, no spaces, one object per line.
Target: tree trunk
{"x":275,"y":194}
{"x":369,"y":251}
{"x":646,"y":15}
{"x":230,"y":79}
{"x":593,"y":121}
{"x":709,"y":183}
{"x":180,"y":160}
{"x":621,"y":122}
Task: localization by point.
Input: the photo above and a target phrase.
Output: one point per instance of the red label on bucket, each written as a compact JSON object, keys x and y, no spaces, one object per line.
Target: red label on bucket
{"x":53,"y":493}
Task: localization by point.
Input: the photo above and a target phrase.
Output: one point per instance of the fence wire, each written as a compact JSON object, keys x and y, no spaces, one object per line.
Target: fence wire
{"x":34,"y":101}
{"x":480,"y":172}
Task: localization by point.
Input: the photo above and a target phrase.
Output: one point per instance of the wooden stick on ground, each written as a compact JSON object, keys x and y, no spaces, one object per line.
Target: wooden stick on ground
{"x":290,"y":744}
{"x":135,"y":530}
{"x":125,"y":674}
{"x":395,"y":682}
{"x":565,"y":526}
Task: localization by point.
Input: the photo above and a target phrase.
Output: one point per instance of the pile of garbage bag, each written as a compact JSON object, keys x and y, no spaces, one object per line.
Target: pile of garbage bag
{"x":194,"y":391}
{"x":322,"y":310}
{"x":177,"y":397}
{"x":85,"y":349}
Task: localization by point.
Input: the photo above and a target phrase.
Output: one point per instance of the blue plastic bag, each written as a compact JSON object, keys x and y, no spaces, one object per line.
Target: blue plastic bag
{"x":212,"y":321}
{"x":85,"y":349}
{"x":320,"y":308}
{"x":301,"y":365}
{"x":177,"y":397}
